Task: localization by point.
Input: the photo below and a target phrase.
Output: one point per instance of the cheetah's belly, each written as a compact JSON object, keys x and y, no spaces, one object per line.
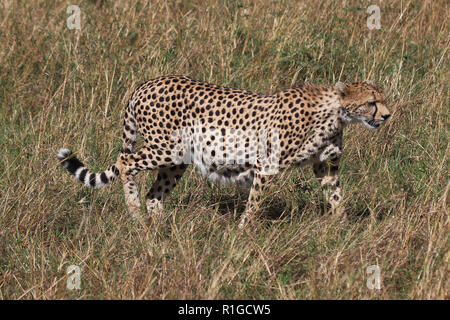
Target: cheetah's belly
{"x":225,"y":174}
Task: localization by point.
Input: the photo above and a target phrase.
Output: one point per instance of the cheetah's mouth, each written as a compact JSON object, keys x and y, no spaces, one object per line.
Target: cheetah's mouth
{"x":372,"y":124}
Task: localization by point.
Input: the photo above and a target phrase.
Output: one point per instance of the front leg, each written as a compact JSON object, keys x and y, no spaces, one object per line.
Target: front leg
{"x":327,"y":173}
{"x":260,"y":183}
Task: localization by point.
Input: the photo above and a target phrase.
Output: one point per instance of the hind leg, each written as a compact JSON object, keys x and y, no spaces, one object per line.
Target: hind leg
{"x":128,"y":169}
{"x":129,"y":135}
{"x":166,"y":180}
{"x":130,"y":164}
{"x":260,"y":184}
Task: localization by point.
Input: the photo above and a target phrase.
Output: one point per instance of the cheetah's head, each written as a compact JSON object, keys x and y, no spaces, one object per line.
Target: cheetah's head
{"x":362,"y":101}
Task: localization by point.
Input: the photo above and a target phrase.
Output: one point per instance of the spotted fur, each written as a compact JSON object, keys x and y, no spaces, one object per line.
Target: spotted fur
{"x":184,"y":121}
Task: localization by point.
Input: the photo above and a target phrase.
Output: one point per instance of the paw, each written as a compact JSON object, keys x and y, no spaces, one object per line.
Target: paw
{"x":243,"y":222}
{"x":338,"y":211}
{"x":135,"y":212}
{"x":154,"y":207}
{"x":331,"y":151}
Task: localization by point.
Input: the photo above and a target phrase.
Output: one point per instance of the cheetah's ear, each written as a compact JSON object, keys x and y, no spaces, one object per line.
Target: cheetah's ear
{"x":369,"y":82}
{"x":342,"y":88}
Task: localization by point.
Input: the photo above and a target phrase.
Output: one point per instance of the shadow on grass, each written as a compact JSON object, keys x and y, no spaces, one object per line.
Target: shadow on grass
{"x":229,"y":203}
{"x":277,"y":209}
{"x":354,"y":215}
{"x":272,"y":209}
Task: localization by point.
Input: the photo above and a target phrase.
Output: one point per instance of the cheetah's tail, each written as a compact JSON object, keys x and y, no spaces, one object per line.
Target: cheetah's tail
{"x":82,"y":173}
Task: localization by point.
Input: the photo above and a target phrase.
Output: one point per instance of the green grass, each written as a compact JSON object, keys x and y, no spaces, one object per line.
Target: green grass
{"x":61,"y":87}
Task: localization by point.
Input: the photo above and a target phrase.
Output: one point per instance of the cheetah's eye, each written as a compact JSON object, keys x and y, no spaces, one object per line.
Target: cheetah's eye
{"x":372,"y":103}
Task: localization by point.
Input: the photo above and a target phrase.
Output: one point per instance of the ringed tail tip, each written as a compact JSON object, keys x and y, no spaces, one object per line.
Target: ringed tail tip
{"x":63,"y":153}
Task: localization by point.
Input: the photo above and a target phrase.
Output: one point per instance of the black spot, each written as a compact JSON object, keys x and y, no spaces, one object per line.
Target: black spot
{"x":72,"y":165}
{"x":83,"y":174}
{"x":104,"y":178}
{"x":115,"y":170}
{"x":92,"y":179}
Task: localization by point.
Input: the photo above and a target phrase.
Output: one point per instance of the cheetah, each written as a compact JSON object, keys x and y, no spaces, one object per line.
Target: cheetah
{"x":233,"y":136}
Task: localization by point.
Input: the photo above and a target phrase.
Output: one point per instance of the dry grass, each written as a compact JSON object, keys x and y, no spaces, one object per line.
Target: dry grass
{"x":61,"y":87}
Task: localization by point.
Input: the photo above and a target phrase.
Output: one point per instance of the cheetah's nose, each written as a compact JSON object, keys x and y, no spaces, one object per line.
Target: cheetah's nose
{"x":386,"y":116}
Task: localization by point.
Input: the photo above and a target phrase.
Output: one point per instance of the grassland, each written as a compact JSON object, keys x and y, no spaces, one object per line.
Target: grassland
{"x":62,"y":87}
